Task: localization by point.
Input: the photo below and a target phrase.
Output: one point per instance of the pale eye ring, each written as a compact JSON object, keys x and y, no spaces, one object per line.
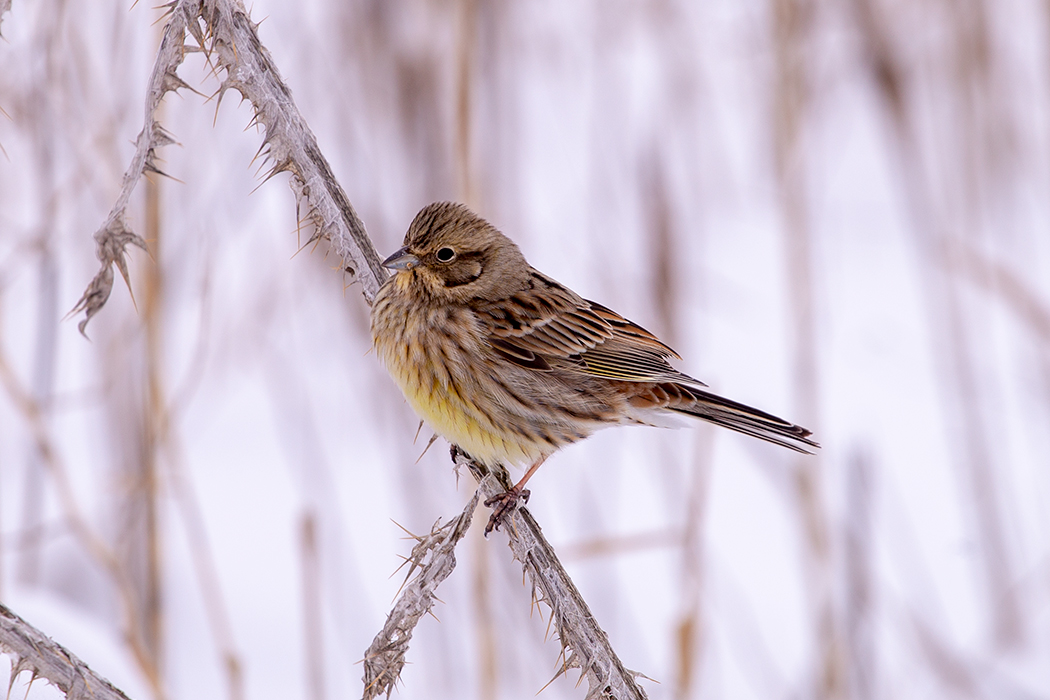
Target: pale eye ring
{"x":446,"y":255}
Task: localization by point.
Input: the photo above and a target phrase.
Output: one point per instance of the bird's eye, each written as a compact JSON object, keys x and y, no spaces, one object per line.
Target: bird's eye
{"x":446,"y":255}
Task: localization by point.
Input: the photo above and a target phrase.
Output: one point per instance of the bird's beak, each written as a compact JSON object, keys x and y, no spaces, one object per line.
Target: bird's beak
{"x":401,"y":260}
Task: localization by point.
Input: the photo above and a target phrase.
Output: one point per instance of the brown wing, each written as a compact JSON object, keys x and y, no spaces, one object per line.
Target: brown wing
{"x":547,"y":325}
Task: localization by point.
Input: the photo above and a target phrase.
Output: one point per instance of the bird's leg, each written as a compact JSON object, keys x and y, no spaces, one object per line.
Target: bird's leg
{"x":503,"y":503}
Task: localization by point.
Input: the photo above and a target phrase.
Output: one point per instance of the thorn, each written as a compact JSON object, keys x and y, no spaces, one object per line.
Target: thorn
{"x":298,"y":223}
{"x":317,"y":238}
{"x":122,"y":266}
{"x":257,"y":153}
{"x":407,"y":560}
{"x":152,"y":169}
{"x":550,"y":620}
{"x":411,"y":535}
{"x":254,"y":121}
{"x":219,"y":94}
{"x":560,"y":672}
{"x":429,"y":443}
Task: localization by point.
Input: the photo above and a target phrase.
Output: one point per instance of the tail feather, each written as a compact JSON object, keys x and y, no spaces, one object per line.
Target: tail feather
{"x":728,"y":414}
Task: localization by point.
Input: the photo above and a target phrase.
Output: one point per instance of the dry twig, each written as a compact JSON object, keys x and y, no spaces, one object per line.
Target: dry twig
{"x":223,"y":31}
{"x":434,"y":555}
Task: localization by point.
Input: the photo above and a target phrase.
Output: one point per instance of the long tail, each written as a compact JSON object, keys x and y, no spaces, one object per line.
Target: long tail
{"x":728,"y":414}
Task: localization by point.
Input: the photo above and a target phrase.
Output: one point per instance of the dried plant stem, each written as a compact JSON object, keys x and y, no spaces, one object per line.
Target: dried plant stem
{"x":793,"y":20}
{"x":141,"y":536}
{"x":488,"y":638}
{"x":43,"y":658}
{"x":223,"y":30}
{"x":465,"y":52}
{"x":690,"y":630}
{"x":859,"y":617}
{"x":204,"y":565}
{"x":313,"y":612}
{"x":434,"y":555}
{"x":41,"y":107}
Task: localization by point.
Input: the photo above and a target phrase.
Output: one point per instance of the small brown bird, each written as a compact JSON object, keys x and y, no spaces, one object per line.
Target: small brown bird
{"x":510,"y":366}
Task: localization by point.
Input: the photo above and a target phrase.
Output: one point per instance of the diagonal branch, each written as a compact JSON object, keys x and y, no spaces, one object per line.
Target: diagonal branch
{"x":586,"y":645}
{"x":223,"y":31}
{"x":37,"y":653}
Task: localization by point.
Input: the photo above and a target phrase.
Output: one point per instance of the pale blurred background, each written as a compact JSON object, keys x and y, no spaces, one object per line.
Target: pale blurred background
{"x":835,"y":210}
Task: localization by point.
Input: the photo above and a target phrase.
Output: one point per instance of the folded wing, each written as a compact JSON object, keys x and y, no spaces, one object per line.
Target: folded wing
{"x":547,"y":325}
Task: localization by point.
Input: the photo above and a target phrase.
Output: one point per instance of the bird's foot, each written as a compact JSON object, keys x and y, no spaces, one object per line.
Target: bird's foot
{"x":503,"y":504}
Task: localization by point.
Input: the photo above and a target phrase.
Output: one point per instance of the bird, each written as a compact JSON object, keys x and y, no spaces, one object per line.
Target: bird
{"x":510,"y":366}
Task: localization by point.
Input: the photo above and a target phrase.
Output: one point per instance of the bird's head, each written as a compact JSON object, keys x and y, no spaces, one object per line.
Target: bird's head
{"x":456,"y":255}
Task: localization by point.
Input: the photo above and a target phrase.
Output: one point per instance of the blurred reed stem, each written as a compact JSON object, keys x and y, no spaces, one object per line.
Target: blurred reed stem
{"x":313,"y":611}
{"x":42,"y":116}
{"x":793,"y":33}
{"x":935,"y":253}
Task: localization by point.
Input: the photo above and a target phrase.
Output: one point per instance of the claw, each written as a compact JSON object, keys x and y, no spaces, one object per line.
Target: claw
{"x":503,"y":504}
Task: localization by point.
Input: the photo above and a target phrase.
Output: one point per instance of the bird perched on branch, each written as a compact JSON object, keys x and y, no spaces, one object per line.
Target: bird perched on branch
{"x":510,"y":365}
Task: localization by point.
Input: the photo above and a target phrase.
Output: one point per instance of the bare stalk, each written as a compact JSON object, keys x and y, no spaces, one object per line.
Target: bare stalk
{"x":793,"y":20}
{"x":313,"y":614}
{"x":434,"y":555}
{"x":859,"y":613}
{"x":204,"y":565}
{"x":40,"y":103}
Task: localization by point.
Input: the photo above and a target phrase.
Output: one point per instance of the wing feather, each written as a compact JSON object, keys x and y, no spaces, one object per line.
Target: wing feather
{"x":548,"y":325}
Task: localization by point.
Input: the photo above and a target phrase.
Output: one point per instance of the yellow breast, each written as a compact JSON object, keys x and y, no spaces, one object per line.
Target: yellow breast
{"x":432,"y":354}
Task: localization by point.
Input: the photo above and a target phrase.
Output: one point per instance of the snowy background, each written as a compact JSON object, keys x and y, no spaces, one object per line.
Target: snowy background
{"x":837,"y":211}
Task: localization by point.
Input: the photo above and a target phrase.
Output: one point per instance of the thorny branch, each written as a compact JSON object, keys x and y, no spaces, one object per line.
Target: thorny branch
{"x":224,"y":32}
{"x":586,"y":645}
{"x":35,"y":652}
{"x":434,"y":555}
